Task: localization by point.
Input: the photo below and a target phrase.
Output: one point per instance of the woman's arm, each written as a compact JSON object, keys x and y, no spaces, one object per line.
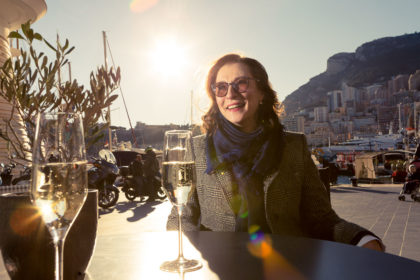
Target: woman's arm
{"x":318,"y":218}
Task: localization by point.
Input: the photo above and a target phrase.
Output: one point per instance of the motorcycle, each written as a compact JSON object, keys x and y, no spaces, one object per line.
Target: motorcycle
{"x":102,"y":177}
{"x":6,"y":173}
{"x":131,"y":191}
{"x":24,"y":177}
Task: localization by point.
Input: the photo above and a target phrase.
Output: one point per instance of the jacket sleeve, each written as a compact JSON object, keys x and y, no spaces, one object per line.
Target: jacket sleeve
{"x":190,"y":215}
{"x":318,"y":218}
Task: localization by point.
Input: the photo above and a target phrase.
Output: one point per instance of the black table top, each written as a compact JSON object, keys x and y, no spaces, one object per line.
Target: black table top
{"x":234,"y":256}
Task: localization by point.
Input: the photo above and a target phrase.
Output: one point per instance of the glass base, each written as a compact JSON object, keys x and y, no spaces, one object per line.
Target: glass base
{"x":181,"y":265}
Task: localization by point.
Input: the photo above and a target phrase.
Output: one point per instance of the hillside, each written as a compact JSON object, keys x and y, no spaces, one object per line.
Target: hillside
{"x":373,"y":62}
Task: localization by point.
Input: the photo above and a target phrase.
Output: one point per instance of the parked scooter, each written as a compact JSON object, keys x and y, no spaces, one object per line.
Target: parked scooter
{"x":131,"y":191}
{"x":24,"y":177}
{"x":102,"y":177}
{"x":6,"y":173}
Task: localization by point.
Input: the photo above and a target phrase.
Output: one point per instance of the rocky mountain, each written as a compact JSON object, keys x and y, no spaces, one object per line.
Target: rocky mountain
{"x":373,"y":62}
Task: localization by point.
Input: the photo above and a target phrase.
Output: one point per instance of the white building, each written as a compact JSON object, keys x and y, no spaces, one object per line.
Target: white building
{"x":294,"y":123}
{"x":321,"y":114}
{"x":348,"y":95}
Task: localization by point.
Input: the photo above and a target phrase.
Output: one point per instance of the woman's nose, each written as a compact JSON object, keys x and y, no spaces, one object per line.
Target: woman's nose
{"x":231,"y":92}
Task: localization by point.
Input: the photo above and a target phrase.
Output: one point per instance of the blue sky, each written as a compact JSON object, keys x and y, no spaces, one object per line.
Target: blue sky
{"x":293,"y":39}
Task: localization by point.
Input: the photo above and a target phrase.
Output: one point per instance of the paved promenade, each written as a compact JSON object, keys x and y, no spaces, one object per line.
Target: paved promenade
{"x":375,"y":207}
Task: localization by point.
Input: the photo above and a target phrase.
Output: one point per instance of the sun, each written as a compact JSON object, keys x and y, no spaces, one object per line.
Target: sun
{"x":168,"y":57}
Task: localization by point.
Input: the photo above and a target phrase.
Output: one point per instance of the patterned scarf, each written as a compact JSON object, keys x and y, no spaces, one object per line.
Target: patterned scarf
{"x":251,"y":157}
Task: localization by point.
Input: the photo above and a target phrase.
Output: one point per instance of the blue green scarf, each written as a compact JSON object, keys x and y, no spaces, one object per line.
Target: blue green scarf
{"x":251,"y":157}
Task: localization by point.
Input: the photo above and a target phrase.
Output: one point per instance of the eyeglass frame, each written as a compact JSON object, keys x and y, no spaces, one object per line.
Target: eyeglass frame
{"x":233,"y":84}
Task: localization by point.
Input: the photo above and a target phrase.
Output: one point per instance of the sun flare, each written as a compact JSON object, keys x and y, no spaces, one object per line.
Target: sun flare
{"x":168,"y":57}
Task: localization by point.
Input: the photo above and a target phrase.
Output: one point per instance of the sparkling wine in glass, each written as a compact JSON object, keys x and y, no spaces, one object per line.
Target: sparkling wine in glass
{"x":178,"y":179}
{"x":59,"y":178}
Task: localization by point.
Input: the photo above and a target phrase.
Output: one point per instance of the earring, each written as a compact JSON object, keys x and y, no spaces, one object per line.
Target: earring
{"x":261,"y":102}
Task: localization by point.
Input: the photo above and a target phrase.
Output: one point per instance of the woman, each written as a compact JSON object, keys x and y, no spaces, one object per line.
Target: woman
{"x":251,"y":175}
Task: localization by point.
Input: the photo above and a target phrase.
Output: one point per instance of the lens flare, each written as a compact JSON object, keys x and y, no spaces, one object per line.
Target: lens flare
{"x":253,"y":229}
{"x":275,"y":265}
{"x":260,"y":245}
{"x":139,"y":6}
{"x":25,"y":220}
{"x":244,"y":215}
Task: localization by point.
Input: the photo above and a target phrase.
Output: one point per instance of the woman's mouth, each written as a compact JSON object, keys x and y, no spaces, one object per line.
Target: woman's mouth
{"x":235,"y":106}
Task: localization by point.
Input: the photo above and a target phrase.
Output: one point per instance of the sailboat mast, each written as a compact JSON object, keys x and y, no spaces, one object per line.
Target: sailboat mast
{"x":191,"y":116}
{"x":414,"y":119}
{"x":108,"y":115}
{"x":125,"y":104}
{"x":399,"y":118}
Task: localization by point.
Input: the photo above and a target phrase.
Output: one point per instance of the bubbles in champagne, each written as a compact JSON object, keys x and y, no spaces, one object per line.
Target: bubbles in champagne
{"x":178,"y":178}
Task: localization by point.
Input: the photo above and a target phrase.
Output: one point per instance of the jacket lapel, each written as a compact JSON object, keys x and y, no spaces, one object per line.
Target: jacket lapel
{"x":224,"y":181}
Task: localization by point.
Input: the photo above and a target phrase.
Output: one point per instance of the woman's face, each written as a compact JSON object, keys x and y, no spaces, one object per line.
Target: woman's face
{"x":239,"y":108}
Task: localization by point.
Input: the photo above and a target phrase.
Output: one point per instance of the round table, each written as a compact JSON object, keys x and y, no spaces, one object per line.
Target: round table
{"x":228,"y":255}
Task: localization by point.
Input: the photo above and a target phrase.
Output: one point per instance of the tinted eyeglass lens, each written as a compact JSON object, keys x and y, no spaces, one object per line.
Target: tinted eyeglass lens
{"x":221,"y":89}
{"x":240,"y":85}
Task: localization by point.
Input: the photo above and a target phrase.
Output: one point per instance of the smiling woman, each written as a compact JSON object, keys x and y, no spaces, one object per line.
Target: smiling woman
{"x":168,"y":57}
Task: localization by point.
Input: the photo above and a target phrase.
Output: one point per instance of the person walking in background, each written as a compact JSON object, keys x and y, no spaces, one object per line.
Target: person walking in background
{"x":151,"y":169}
{"x":251,"y":174}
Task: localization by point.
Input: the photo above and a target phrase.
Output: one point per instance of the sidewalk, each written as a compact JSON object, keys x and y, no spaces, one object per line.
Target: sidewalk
{"x":377,"y":208}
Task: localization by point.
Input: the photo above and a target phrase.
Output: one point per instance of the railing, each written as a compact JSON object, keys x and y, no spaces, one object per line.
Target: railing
{"x":14,"y":189}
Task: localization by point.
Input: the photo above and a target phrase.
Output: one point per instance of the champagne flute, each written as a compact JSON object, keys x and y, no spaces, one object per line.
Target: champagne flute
{"x":178,"y":179}
{"x":59,"y":178}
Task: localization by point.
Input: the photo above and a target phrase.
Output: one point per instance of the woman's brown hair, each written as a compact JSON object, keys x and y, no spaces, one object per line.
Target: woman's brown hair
{"x":268,"y":110}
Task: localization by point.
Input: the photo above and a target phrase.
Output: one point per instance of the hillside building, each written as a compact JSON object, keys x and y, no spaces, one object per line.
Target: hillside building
{"x":294,"y":123}
{"x":334,"y":100}
{"x":321,"y":114}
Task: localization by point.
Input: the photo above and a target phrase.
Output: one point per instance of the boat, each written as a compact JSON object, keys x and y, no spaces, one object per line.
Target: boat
{"x":344,"y":153}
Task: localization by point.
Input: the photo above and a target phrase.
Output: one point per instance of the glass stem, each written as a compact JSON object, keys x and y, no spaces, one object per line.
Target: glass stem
{"x":59,"y":248}
{"x":181,"y":253}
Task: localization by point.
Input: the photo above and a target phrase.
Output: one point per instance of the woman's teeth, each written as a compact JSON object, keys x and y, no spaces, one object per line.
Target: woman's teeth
{"x":234,"y":106}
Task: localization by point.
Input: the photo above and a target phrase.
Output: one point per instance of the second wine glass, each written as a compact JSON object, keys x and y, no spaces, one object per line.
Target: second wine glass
{"x":59,"y":178}
{"x":178,"y":179}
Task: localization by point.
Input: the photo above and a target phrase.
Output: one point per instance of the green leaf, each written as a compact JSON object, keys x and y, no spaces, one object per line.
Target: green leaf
{"x":66,"y":45}
{"x":25,"y":28}
{"x":30,"y":35}
{"x":50,"y":46}
{"x":44,"y":62}
{"x":15,"y":34}
{"x":38,"y":36}
{"x":69,"y":51}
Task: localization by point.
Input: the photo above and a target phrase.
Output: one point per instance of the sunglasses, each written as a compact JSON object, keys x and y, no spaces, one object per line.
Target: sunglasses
{"x":240,"y":85}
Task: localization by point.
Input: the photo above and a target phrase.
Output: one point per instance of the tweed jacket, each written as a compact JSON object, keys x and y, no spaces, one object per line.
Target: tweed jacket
{"x":296,"y":202}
